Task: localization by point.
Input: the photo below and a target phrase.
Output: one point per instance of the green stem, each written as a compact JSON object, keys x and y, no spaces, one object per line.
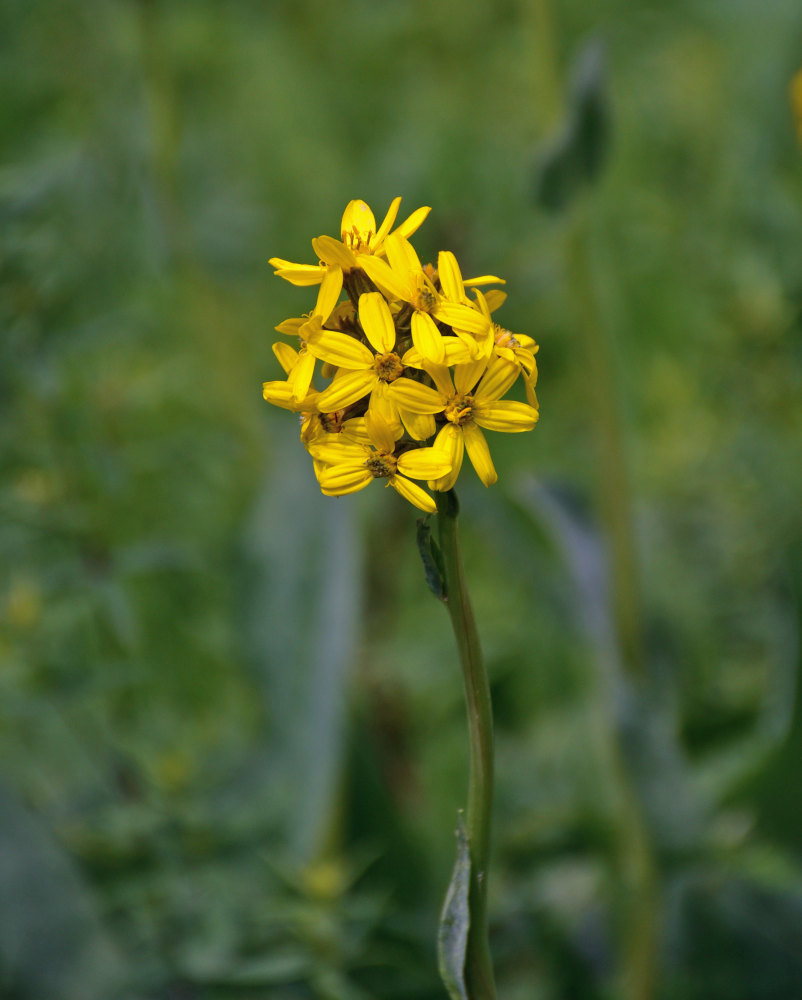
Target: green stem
{"x":478,"y":965}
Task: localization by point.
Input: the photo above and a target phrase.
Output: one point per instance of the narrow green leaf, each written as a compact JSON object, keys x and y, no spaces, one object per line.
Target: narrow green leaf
{"x":575,"y":156}
{"x":455,"y":921}
{"x":431,"y":559}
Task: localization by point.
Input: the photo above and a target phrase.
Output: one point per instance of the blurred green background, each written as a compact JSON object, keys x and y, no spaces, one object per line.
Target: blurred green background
{"x":233,"y":740}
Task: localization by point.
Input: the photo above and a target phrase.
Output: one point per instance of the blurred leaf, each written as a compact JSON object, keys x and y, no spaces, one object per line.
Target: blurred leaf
{"x":455,"y":921}
{"x":52,"y":943}
{"x":574,"y":158}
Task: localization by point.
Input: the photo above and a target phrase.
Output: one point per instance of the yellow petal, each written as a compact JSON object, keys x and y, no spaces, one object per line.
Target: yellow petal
{"x":339,"y":349}
{"x":380,"y":431}
{"x":481,"y":301}
{"x":471,"y":344}
{"x":381,"y":403}
{"x":466,"y":376}
{"x":339,"y":480}
{"x":450,"y":276}
{"x":298,"y":274}
{"x":479,"y":454}
{"x":424,"y":463}
{"x":419,"y":426}
{"x":346,"y":389}
{"x":331,"y":449}
{"x":442,"y":379}
{"x":497,"y":379}
{"x":401,"y":255}
{"x":412,"y":492}
{"x":506,"y":415}
{"x":457,"y":353}
{"x":417,"y":398}
{"x":450,"y":442}
{"x":383,"y":276}
{"x":377,"y":322}
{"x":386,"y":225}
{"x":461,"y":317}
{"x":485,"y":279}
{"x":358,"y":219}
{"x":291,"y":326}
{"x":300,"y":378}
{"x":281,"y":394}
{"x":330,"y":289}
{"x":334,"y":253}
{"x":495,"y":298}
{"x":286,"y":356}
{"x":427,"y":338}
{"x":413,"y":223}
{"x":354,"y":431}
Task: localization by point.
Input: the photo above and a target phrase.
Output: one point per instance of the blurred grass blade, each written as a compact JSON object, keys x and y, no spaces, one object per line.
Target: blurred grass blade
{"x":305,"y":607}
{"x":455,"y":921}
{"x":575,"y":156}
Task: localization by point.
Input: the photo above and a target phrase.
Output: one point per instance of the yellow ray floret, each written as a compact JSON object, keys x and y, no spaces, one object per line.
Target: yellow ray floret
{"x":345,"y":468}
{"x":360,"y":239}
{"x":403,"y":277}
{"x":375,"y":371}
{"x":467,"y":409}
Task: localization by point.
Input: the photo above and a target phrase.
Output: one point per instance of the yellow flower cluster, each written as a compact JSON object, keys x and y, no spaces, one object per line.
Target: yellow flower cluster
{"x":417,"y":367}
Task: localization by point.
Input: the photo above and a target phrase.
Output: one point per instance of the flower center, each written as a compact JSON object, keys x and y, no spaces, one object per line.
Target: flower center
{"x":381,"y":465}
{"x":459,"y":410}
{"x":356,"y":240}
{"x":424,"y":299}
{"x":504,"y":338}
{"x":388,"y":367}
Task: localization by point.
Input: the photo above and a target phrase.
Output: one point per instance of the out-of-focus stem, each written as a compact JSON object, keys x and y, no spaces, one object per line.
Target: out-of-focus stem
{"x":478,"y":965}
{"x":635,"y":862}
{"x":612,"y":479}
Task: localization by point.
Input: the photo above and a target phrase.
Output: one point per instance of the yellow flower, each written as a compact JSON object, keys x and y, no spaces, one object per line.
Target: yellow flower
{"x":299,"y":366}
{"x":360,"y":238}
{"x":404,"y":278}
{"x":388,"y":350}
{"x":515,"y":347}
{"x":479,"y":344}
{"x":376,"y":371}
{"x":468,"y":409}
{"x":345,"y":468}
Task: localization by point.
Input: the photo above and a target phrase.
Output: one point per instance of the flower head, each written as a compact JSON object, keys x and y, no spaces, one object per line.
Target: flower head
{"x":416,"y":365}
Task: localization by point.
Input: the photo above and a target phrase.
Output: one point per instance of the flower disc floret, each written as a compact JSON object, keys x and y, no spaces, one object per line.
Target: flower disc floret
{"x":388,"y":366}
{"x":459,"y":410}
{"x":381,"y":465}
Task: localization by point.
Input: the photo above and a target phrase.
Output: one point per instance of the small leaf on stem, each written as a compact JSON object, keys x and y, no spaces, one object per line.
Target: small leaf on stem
{"x":455,"y":921}
{"x":431,"y":559}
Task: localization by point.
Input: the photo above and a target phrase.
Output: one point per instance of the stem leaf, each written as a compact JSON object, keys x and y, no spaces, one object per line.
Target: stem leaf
{"x":431,"y":559}
{"x":455,"y":921}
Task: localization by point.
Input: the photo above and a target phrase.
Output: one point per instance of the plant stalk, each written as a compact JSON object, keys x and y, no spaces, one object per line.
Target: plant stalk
{"x":478,"y":965}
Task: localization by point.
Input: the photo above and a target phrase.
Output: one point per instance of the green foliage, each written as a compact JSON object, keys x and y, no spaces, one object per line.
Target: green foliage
{"x":232,"y":730}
